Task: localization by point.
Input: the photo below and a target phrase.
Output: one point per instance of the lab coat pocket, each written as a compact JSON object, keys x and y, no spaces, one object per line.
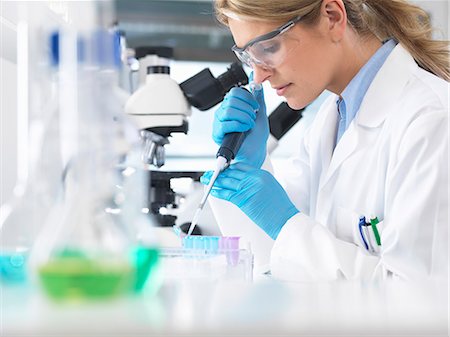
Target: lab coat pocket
{"x":347,"y":226}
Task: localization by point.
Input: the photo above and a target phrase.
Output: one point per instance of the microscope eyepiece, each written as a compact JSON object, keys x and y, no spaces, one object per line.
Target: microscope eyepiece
{"x":204,"y":91}
{"x":234,"y":76}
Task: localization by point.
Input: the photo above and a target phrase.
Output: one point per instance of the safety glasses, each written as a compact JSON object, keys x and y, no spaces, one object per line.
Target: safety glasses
{"x":267,"y":50}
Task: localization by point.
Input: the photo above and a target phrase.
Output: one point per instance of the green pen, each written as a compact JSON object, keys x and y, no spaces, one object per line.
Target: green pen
{"x":373,"y":222}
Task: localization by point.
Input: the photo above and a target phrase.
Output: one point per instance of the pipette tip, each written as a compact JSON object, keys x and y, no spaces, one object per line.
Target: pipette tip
{"x":221,"y":164}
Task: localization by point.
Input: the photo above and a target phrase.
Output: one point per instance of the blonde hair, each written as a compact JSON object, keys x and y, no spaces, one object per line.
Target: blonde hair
{"x":398,"y":19}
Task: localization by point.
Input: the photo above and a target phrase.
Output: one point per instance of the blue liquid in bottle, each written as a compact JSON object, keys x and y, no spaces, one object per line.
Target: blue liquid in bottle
{"x":13,"y":267}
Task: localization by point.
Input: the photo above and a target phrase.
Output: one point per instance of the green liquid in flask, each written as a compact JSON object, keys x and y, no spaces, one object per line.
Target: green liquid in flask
{"x":73,"y":276}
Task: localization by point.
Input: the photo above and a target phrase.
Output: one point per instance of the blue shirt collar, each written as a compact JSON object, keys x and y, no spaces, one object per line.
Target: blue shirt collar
{"x":353,"y":94}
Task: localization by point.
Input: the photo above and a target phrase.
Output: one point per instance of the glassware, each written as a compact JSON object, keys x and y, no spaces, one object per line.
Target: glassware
{"x":97,"y":242}
{"x":39,"y":155}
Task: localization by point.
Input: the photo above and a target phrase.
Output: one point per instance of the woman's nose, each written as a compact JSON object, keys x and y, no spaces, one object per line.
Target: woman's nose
{"x":261,"y":73}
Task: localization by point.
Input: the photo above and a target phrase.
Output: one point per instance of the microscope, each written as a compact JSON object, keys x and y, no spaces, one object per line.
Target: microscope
{"x":160,"y":107}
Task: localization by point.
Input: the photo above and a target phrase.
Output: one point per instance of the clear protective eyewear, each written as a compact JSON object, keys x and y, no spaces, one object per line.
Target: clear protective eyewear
{"x":267,"y":50}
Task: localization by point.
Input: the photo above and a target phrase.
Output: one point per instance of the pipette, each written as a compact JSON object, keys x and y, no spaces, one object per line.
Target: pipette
{"x":226,"y":153}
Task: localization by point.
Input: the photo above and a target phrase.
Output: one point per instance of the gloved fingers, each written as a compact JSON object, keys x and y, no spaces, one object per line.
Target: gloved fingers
{"x":223,"y":128}
{"x":237,"y":172}
{"x":241,"y":112}
{"x":243,"y":95}
{"x":241,"y":167}
{"x":234,"y":115}
{"x":236,"y":111}
{"x":227,"y":183}
{"x":222,"y":194}
{"x":223,"y":181}
{"x":204,"y":179}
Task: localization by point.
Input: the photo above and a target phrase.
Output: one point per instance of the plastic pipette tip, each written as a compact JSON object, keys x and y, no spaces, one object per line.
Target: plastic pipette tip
{"x":195,"y":220}
{"x":221,"y":164}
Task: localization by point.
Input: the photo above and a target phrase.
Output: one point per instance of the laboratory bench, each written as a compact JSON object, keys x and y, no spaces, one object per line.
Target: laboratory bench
{"x":263,"y":307}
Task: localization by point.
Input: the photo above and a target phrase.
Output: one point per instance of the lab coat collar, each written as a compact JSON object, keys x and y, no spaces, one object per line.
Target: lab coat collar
{"x":386,"y":88}
{"x":327,"y":122}
{"x":380,"y":99}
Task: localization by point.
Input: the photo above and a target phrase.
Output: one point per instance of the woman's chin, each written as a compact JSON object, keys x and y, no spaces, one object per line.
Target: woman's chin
{"x":295,"y":104}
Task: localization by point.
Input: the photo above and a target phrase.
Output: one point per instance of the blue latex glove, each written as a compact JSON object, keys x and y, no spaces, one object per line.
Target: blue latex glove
{"x":257,"y":193}
{"x":237,"y":113}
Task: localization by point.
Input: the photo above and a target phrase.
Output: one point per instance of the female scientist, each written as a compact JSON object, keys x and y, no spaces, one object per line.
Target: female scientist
{"x":367,"y":194}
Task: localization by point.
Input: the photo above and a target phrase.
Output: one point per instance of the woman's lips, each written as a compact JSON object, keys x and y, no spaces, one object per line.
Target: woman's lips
{"x":281,"y":90}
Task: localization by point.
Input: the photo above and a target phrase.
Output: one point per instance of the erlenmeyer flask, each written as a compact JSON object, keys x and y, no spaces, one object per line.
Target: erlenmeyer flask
{"x":90,"y":247}
{"x":39,"y":164}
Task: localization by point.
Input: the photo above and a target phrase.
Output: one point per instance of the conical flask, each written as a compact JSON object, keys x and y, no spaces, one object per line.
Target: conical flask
{"x":39,"y":156}
{"x":97,"y":243}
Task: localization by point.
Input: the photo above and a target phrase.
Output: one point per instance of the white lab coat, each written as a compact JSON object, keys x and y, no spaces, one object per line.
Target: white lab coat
{"x":392,"y":162}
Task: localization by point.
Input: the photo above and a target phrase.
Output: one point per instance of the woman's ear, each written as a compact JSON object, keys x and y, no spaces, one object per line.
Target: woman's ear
{"x":333,"y":11}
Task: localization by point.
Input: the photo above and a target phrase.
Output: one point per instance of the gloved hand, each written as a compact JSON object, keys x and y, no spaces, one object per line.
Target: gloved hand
{"x":237,"y":113}
{"x":257,"y":193}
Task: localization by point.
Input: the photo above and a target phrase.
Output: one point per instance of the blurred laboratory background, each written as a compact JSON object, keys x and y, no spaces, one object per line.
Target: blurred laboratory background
{"x":198,"y":42}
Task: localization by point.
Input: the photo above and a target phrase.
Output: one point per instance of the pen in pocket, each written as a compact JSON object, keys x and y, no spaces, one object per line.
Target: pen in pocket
{"x":373,"y":222}
{"x":369,"y":240}
{"x":362,"y":223}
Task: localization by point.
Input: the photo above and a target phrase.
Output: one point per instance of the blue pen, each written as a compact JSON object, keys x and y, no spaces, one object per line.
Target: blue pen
{"x":362,"y":223}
